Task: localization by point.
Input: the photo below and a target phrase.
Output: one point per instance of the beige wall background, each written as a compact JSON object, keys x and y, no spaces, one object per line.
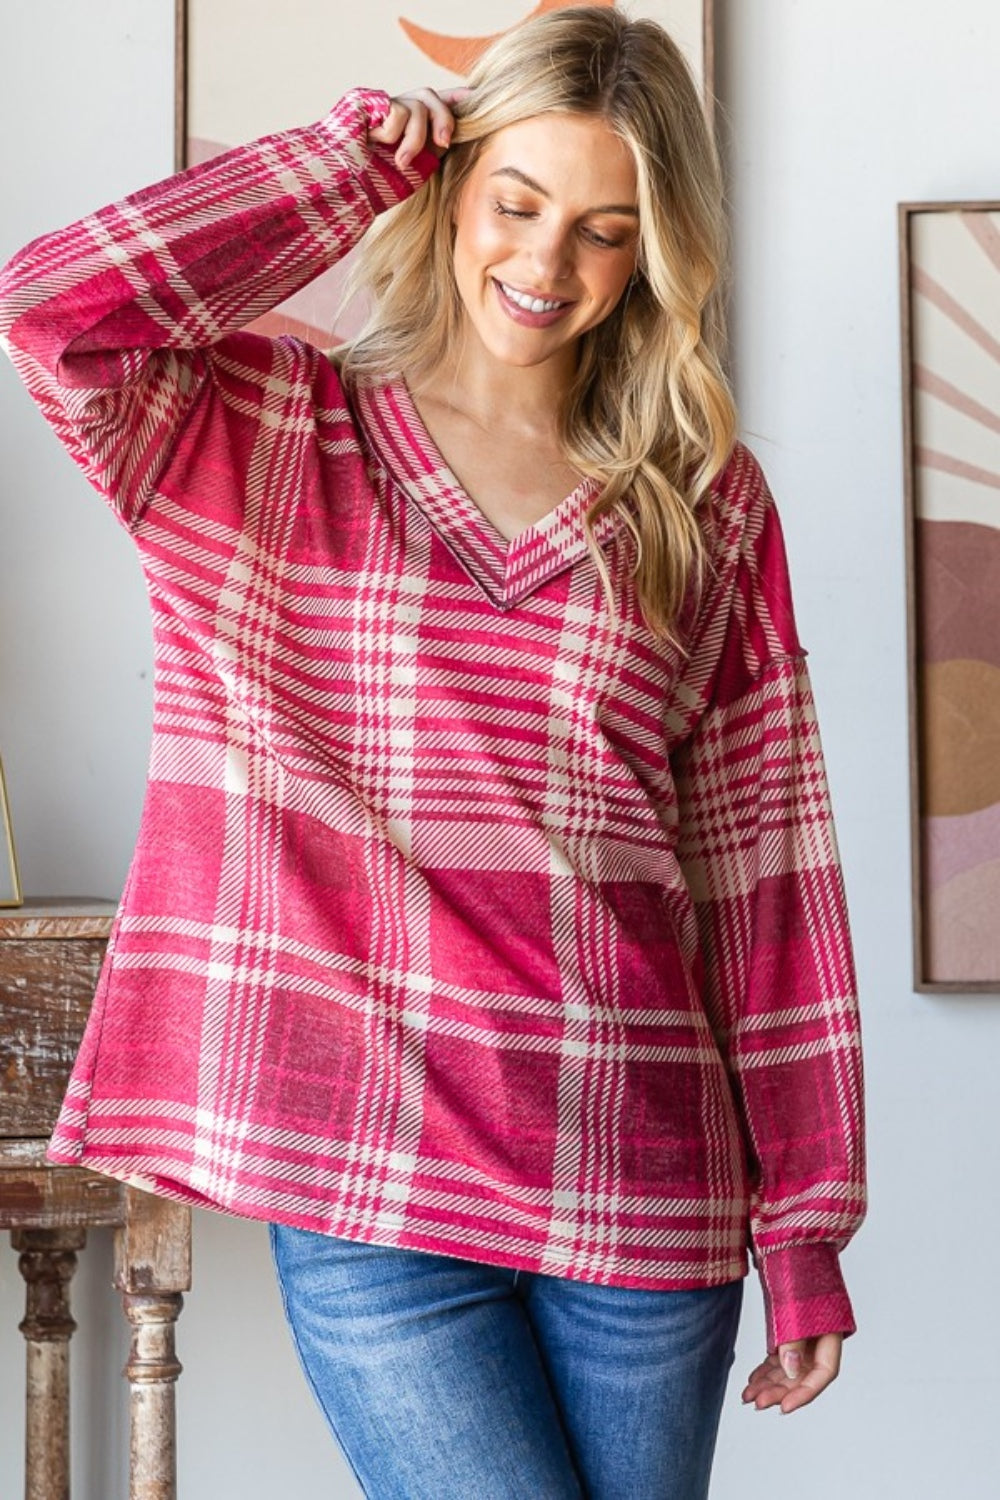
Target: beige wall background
{"x":259,"y":66}
{"x":832,"y":114}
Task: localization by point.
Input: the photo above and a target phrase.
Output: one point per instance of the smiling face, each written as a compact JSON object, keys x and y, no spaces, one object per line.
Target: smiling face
{"x":546,"y":236}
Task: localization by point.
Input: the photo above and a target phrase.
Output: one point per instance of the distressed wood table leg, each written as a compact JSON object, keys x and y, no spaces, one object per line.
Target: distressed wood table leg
{"x":151,"y":1370}
{"x":47,"y":1261}
{"x":152,"y":1269}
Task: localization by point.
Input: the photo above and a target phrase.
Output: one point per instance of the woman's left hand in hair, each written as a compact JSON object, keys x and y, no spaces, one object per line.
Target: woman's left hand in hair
{"x":796,"y":1374}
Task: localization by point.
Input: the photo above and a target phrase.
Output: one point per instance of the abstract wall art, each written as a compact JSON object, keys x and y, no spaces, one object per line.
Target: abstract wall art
{"x":246,"y":70}
{"x":950,"y":277}
{"x":10,"y":880}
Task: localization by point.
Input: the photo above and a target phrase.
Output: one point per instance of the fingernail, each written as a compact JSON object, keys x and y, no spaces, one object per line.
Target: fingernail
{"x":791,"y":1364}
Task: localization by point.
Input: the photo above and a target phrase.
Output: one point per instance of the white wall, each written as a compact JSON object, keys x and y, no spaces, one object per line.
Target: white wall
{"x":838,"y":112}
{"x":835,"y":113}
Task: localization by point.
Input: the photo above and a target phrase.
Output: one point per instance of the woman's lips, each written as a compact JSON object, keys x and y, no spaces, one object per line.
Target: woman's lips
{"x":524,"y":315}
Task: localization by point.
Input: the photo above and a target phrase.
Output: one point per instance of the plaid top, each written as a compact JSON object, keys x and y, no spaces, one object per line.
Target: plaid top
{"x":459,"y":918}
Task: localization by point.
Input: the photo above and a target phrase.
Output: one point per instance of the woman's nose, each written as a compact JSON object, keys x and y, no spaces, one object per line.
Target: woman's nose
{"x":552,"y":255}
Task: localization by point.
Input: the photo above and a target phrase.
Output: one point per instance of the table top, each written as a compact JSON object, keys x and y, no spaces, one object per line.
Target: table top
{"x":58,"y":917}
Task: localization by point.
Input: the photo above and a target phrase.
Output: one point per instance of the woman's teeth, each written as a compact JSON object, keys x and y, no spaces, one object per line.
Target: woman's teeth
{"x":530,"y":304}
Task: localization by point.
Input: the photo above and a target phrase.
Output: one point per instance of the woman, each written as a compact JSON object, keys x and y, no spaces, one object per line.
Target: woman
{"x":485,"y":932}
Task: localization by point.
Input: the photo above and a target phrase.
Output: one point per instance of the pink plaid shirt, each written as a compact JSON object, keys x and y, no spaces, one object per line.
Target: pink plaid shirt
{"x":458,"y":919}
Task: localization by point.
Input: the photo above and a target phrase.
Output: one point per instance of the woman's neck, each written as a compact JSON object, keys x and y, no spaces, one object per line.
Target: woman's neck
{"x":523,"y":400}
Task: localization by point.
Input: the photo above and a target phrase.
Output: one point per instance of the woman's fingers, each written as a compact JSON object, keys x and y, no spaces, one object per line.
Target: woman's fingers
{"x":766,"y":1385}
{"x":792,"y":1358}
{"x":820,"y":1366}
{"x":405,"y":127}
{"x":393,"y":125}
{"x":454,"y":96}
{"x":796,"y":1374}
{"x":418,"y":119}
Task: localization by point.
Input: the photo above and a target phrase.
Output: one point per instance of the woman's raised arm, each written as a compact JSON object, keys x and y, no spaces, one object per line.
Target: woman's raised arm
{"x":113,"y":322}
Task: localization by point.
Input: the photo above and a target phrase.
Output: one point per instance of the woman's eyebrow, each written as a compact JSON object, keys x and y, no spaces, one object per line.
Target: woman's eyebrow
{"x":536,"y":187}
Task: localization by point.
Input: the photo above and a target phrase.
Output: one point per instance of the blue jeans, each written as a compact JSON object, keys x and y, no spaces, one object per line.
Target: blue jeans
{"x":446,"y":1379}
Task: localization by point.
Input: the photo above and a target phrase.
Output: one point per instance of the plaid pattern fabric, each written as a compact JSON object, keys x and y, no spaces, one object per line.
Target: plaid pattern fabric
{"x":460,"y":918}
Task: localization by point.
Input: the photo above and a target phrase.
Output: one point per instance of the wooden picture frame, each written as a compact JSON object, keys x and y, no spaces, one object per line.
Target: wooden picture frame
{"x":225,"y":62}
{"x":950,"y":325}
{"x":10,"y":879}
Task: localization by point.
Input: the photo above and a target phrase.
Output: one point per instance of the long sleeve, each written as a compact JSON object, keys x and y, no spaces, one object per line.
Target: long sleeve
{"x":116,"y":322}
{"x":759,"y":853}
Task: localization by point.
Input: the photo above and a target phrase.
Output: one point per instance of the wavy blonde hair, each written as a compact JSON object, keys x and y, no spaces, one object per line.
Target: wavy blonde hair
{"x":650,"y":414}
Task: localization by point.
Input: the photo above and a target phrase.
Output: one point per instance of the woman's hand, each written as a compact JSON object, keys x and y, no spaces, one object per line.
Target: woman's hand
{"x":796,"y":1374}
{"x":422,"y":118}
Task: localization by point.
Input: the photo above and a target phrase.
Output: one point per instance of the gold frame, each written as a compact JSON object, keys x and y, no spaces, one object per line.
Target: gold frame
{"x":180,"y":84}
{"x":7,"y":839}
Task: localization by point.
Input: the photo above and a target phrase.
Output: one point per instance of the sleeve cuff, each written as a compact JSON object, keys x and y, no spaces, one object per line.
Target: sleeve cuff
{"x":384,"y":183}
{"x":804,"y":1294}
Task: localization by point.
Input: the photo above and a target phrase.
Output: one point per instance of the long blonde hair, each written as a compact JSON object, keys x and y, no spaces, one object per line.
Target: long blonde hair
{"x":650,"y":414}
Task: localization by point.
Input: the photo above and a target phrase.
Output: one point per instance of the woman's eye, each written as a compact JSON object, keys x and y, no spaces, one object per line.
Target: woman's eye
{"x":601,"y":240}
{"x":591,"y":235}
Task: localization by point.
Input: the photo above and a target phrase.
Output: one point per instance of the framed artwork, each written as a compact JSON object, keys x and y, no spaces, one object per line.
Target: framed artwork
{"x":10,"y":881}
{"x":245,"y":71}
{"x":950,"y":279}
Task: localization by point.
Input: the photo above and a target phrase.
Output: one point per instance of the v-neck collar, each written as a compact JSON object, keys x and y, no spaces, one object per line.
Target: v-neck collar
{"x":506,"y":570}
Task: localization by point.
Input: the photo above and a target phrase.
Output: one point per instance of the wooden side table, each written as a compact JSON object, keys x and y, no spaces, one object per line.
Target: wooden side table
{"x":50,"y":958}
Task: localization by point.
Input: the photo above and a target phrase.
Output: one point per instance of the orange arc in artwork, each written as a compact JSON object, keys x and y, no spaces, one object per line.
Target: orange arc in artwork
{"x":460,"y":54}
